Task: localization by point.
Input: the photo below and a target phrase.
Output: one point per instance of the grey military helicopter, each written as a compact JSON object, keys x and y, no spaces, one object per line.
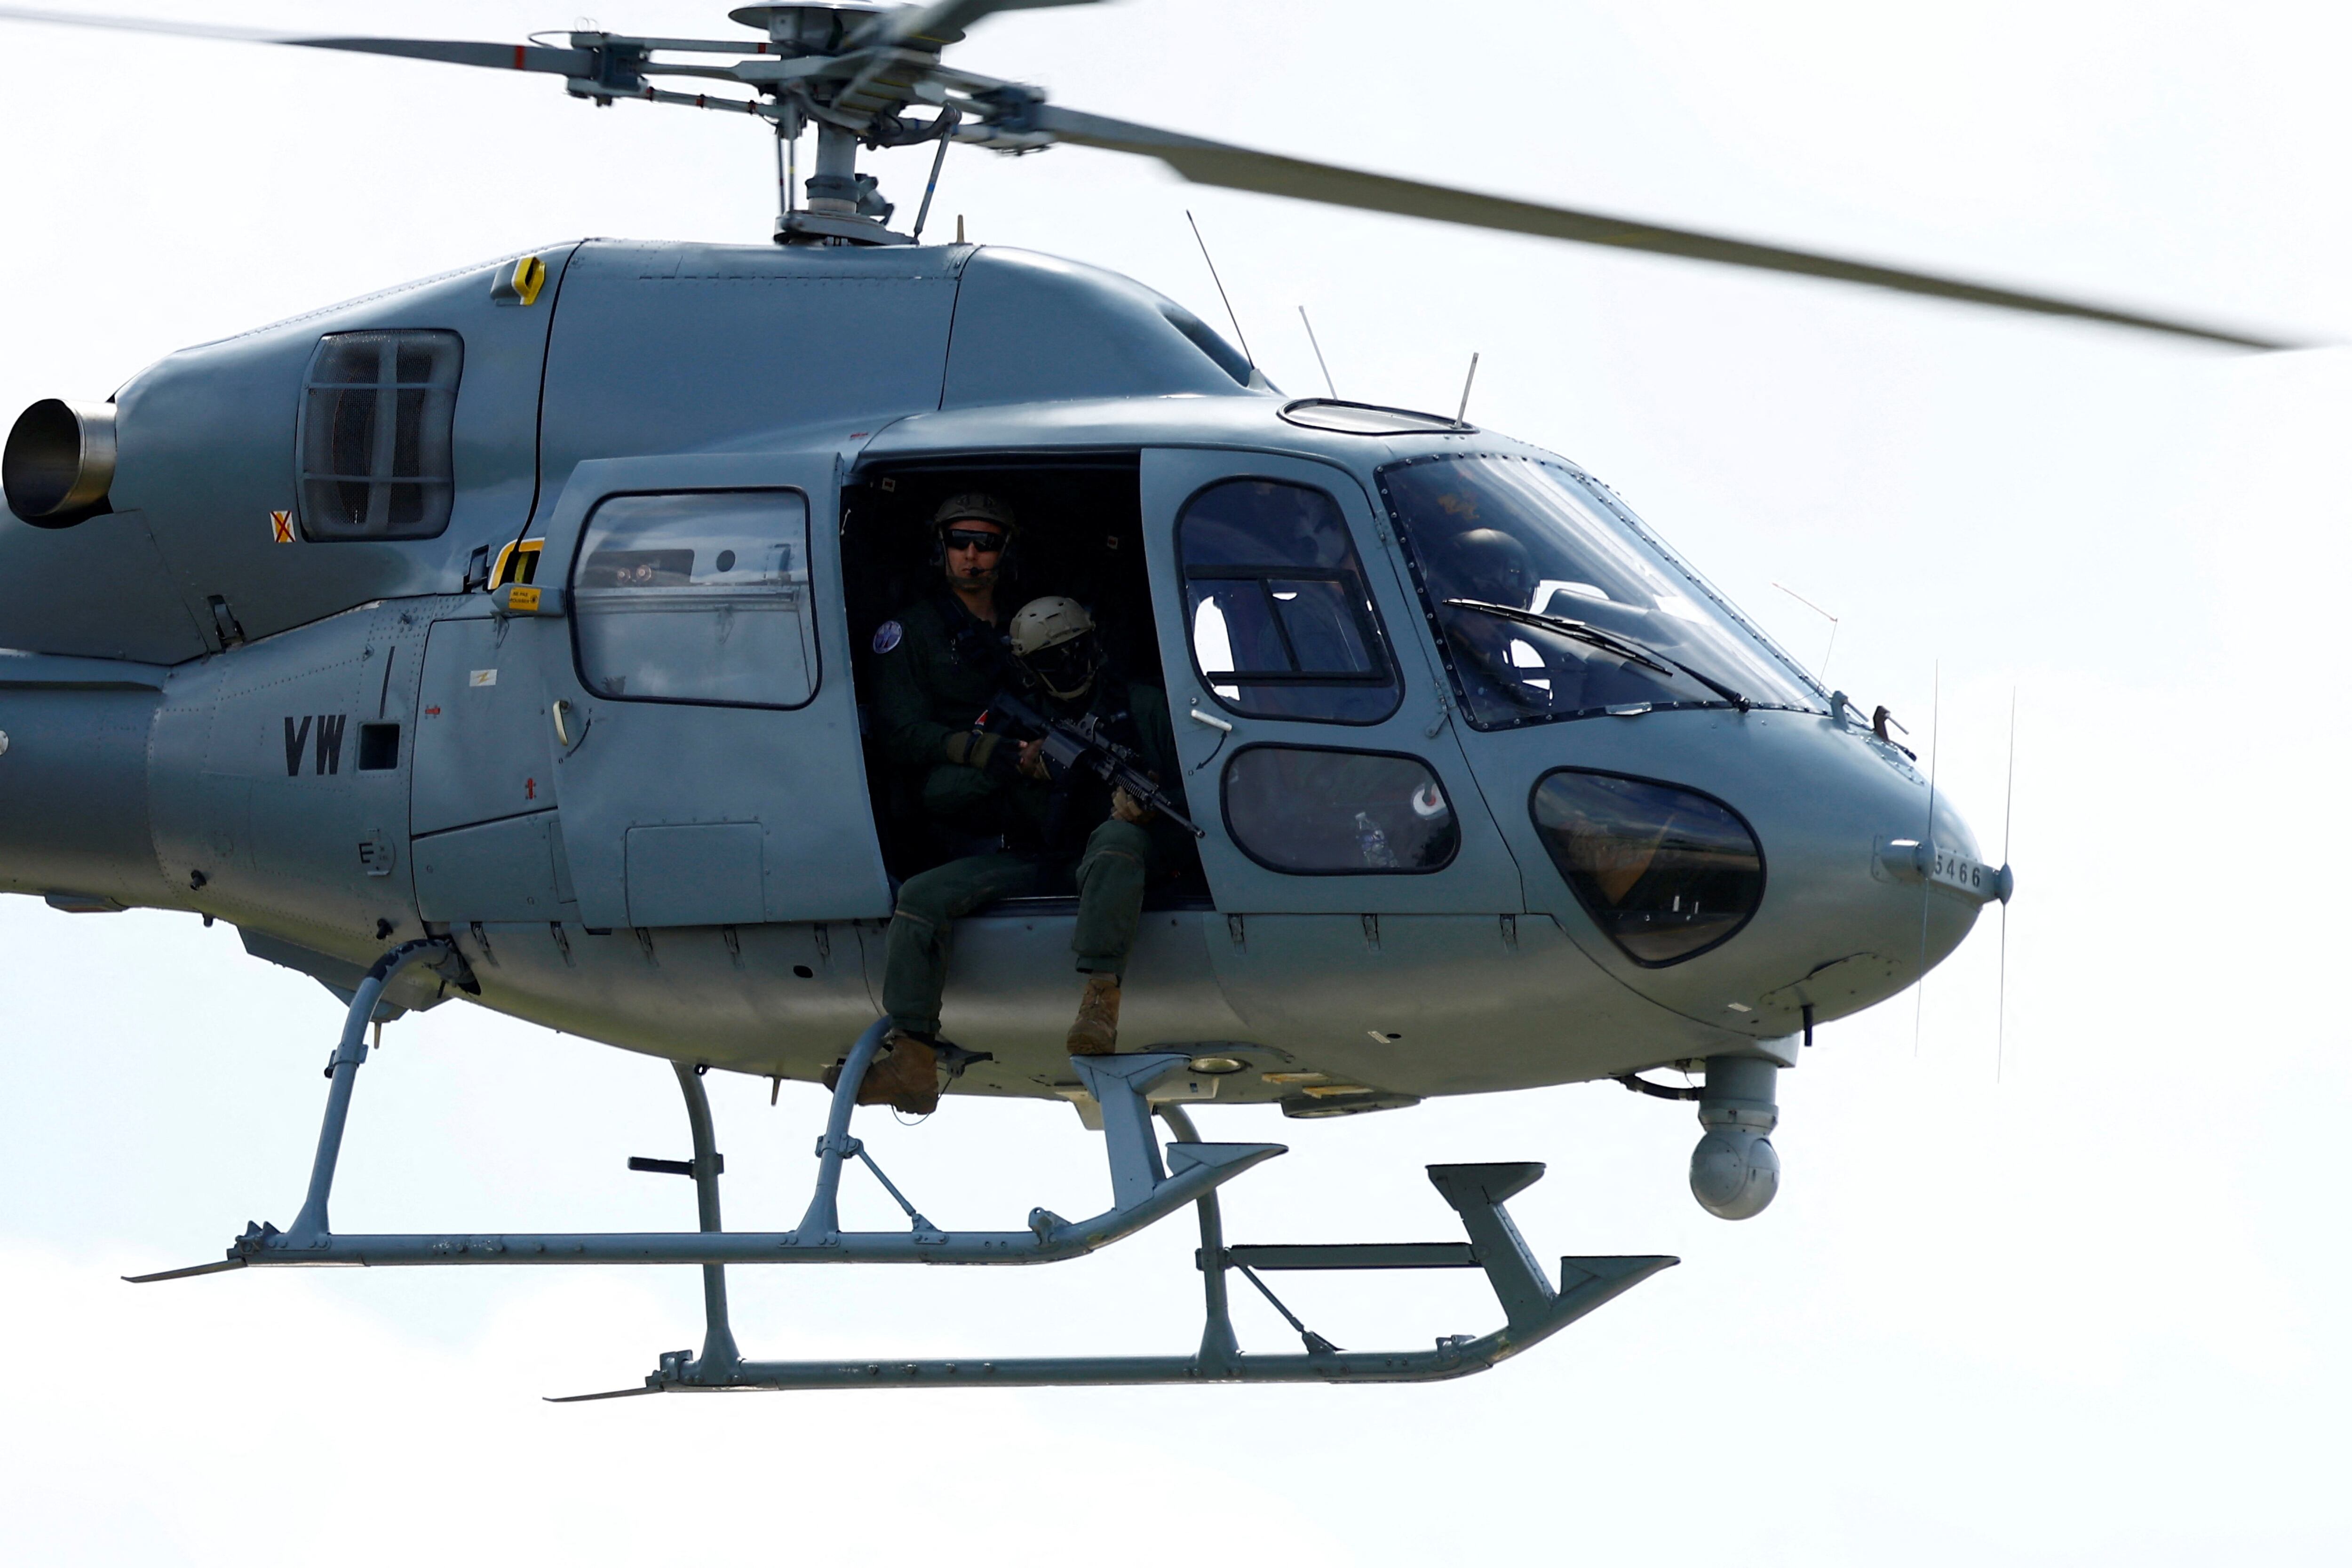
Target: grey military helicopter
{"x":508,"y":635}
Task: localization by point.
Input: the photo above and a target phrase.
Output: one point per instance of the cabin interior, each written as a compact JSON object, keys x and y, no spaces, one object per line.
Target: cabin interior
{"x":1079,"y":533}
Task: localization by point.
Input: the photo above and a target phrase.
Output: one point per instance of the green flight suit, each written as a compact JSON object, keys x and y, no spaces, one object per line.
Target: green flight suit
{"x":935,"y":667}
{"x":933,"y":682}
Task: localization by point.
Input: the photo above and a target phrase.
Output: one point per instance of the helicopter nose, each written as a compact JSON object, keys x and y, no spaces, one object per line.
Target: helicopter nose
{"x":1799,"y":874}
{"x":1872,"y":915}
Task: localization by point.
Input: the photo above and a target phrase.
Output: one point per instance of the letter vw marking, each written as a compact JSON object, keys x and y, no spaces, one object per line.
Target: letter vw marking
{"x":325,"y":752}
{"x":330,"y":755}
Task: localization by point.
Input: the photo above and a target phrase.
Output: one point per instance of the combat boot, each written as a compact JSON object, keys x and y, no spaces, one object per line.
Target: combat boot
{"x":904,"y":1074}
{"x":1095,"y":1032}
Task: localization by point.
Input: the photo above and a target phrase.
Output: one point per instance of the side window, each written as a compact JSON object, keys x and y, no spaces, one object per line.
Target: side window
{"x":701,"y":596}
{"x":1316,"y":811}
{"x":1282,"y":623}
{"x":375,"y":442}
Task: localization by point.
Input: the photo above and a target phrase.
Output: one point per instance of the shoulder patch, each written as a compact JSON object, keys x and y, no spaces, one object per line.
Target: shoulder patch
{"x":888,"y":635}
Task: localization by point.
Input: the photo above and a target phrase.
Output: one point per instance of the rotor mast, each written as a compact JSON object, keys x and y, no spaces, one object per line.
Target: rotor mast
{"x":851,"y":68}
{"x":840,"y":206}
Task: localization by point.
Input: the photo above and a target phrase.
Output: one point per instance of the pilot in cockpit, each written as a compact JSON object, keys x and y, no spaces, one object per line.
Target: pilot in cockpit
{"x":1495,"y":658}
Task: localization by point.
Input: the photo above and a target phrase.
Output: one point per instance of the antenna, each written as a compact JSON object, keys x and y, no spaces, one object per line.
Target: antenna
{"x":1319,"y":355}
{"x":1927,"y":872}
{"x":1825,"y":615}
{"x":2008,"y":802}
{"x":947,"y":135}
{"x":1466,"y":390}
{"x":1221,"y":289}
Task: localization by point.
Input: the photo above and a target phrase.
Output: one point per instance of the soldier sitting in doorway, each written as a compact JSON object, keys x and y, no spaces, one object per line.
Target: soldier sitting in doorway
{"x":938,"y":665}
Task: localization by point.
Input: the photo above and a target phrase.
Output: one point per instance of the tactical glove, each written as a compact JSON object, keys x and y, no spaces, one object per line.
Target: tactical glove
{"x":994,"y":755}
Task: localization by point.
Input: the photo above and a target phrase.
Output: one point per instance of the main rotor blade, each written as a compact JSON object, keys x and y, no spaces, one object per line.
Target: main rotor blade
{"x":498,"y":57}
{"x":1242,"y":169}
{"x":943,"y":21}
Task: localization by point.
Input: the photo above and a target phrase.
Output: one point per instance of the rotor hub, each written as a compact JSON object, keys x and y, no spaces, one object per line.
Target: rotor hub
{"x":810,"y":26}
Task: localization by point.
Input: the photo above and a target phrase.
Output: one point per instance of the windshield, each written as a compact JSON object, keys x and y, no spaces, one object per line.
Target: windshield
{"x":1499,"y":544}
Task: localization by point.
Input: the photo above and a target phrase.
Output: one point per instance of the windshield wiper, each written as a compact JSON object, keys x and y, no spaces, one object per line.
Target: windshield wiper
{"x":1626,"y":648}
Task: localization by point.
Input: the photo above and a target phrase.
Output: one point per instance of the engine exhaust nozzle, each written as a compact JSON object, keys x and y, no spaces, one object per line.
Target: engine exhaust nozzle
{"x":60,"y":462}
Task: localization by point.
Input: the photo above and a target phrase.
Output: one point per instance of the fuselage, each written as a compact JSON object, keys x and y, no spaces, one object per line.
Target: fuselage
{"x":337,"y":730}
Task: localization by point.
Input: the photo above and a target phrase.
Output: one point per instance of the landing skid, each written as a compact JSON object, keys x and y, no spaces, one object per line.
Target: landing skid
{"x":1533,"y":1309}
{"x":1144,"y":1187}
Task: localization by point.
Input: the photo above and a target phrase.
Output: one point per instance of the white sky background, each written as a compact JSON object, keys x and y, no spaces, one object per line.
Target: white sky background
{"x":2090,"y":1311}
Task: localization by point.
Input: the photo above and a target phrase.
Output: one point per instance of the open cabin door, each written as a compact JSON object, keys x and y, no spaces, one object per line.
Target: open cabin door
{"x":700,"y":706}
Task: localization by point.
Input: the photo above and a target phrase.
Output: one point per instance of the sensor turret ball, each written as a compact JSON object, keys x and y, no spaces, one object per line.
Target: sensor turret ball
{"x":1734,"y":1172}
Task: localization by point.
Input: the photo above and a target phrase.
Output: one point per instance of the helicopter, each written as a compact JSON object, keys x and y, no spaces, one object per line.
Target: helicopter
{"x":372,"y":682}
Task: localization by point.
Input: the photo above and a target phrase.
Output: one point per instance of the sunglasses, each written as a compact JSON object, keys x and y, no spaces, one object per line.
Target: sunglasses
{"x":986,"y":540}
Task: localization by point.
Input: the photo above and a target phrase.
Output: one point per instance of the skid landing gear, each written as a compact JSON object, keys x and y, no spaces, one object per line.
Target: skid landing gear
{"x":1145,"y":1188}
{"x":1534,"y":1310}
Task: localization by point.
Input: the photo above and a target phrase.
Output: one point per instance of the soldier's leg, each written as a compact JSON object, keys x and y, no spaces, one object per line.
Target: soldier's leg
{"x":1111,"y":877}
{"x":915,"y":964}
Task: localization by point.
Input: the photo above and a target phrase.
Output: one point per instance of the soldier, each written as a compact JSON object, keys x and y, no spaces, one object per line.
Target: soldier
{"x":939,"y":663}
{"x":1073,"y":835}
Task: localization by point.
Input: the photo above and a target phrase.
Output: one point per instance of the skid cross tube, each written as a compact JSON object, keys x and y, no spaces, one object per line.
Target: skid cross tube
{"x":1144,"y":1189}
{"x":1533,"y":1309}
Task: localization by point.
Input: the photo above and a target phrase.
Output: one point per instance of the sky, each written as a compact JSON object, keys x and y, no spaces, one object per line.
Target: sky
{"x":2060,"y":1282}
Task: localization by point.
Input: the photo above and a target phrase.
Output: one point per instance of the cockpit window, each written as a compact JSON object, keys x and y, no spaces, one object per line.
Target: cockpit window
{"x":1282,"y":623}
{"x":1668,"y":873}
{"x":1553,"y":603}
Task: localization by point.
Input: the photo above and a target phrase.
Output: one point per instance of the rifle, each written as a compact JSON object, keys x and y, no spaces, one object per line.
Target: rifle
{"x":1076,"y":746}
